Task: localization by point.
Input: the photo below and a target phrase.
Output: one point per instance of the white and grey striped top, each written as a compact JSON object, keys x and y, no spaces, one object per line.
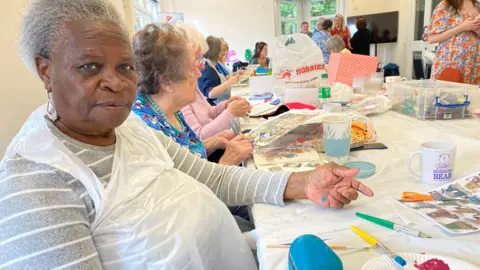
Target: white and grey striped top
{"x":45,"y":214}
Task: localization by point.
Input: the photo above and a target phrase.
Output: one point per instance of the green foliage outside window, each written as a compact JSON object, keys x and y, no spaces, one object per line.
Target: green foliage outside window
{"x":288,"y":10}
{"x":318,"y":8}
{"x":289,"y":28}
{"x":323,"y":7}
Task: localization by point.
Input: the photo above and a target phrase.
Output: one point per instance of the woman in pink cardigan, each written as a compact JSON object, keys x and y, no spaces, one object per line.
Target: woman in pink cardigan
{"x":206,"y":120}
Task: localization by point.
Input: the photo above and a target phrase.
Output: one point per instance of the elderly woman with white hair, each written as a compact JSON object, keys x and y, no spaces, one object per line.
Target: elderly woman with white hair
{"x":85,"y":184}
{"x":207,"y":120}
{"x":335,"y":44}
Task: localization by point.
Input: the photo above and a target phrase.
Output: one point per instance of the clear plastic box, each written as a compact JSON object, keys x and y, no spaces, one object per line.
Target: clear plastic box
{"x":431,"y":99}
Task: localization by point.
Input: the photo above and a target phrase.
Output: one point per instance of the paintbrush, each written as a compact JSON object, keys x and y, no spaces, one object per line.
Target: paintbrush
{"x":337,"y":247}
{"x":375,"y":243}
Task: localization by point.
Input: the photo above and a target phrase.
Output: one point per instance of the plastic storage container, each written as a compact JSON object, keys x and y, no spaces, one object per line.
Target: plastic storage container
{"x":431,"y":99}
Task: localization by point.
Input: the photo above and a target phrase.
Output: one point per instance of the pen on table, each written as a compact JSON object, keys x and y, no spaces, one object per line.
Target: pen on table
{"x":374,"y":242}
{"x":337,"y":247}
{"x":393,"y":226}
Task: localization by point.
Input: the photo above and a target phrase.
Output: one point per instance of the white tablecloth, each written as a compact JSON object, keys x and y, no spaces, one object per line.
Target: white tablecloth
{"x":403,"y":135}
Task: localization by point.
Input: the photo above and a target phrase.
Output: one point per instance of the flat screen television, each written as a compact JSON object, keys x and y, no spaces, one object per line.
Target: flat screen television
{"x":383,"y":26}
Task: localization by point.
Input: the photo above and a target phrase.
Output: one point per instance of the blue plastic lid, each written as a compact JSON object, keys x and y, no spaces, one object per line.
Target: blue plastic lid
{"x":367,"y":169}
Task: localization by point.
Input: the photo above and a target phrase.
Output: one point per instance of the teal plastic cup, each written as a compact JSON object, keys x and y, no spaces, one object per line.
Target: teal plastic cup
{"x":337,"y":137}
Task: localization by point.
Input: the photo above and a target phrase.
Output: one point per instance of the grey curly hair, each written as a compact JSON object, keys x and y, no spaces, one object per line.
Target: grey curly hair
{"x":43,"y":23}
{"x":161,"y":56}
{"x":335,"y":44}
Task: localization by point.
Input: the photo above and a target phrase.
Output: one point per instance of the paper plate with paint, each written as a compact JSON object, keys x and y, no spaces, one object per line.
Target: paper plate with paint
{"x":417,"y":261}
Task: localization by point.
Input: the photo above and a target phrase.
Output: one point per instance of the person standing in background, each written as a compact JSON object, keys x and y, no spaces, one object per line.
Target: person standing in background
{"x":340,"y":29}
{"x":320,"y":38}
{"x":360,"y":41}
{"x":305,"y":31}
{"x":456,"y":28}
{"x":319,"y":25}
{"x":260,"y":56}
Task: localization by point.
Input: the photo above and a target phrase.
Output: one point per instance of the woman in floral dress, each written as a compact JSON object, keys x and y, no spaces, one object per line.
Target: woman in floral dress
{"x":456,"y":27}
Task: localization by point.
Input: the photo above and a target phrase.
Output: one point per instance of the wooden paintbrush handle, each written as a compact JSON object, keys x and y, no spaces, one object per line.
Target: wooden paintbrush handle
{"x":337,"y":247}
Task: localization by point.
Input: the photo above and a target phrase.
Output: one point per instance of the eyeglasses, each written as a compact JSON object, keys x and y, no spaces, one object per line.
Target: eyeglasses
{"x":199,"y":62}
{"x":196,"y":65}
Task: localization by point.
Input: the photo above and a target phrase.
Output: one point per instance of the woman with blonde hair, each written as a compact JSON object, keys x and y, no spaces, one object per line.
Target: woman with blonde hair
{"x":340,"y":29}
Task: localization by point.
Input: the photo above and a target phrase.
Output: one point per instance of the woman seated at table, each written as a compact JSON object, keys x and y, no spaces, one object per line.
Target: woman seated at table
{"x":83,"y":187}
{"x":213,"y":84}
{"x":165,"y":87}
{"x":221,"y":64}
{"x":162,"y":49}
{"x":206,"y":120}
{"x":335,"y":44}
{"x":260,"y":55}
{"x":321,"y":37}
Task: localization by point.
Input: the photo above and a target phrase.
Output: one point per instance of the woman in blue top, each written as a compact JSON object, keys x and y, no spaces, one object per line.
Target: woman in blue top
{"x":260,"y":55}
{"x":221,"y":64}
{"x":320,"y":38}
{"x":213,"y":84}
{"x":168,"y":72}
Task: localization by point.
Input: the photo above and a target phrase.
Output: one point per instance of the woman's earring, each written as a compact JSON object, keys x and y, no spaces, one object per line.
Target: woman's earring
{"x":51,"y":112}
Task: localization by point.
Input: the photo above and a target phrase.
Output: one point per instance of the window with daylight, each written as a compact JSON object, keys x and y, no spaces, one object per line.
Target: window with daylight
{"x":146,"y":12}
{"x":291,"y":13}
{"x":288,"y":17}
{"x":321,"y":8}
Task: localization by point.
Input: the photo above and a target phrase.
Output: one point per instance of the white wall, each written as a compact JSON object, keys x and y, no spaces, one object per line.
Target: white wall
{"x":241,"y":23}
{"x":21,"y":91}
{"x":394,"y":52}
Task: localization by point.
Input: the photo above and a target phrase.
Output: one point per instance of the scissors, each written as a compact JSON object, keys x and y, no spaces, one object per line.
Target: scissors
{"x":415,"y":197}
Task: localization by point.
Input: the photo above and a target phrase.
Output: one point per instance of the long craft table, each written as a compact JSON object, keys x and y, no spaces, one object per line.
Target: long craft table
{"x":403,"y":136}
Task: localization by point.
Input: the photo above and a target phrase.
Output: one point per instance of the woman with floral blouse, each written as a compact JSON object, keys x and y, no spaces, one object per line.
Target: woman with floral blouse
{"x":456,"y":28}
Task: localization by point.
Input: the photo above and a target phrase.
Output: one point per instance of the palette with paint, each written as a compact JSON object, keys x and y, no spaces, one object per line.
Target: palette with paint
{"x":419,"y":261}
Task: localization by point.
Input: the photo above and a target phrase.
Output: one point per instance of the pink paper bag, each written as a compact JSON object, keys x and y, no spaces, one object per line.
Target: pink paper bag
{"x":343,"y":67}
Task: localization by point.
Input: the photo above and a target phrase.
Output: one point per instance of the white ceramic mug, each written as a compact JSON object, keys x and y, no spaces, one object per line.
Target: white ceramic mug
{"x":437,"y":164}
{"x":392,"y":79}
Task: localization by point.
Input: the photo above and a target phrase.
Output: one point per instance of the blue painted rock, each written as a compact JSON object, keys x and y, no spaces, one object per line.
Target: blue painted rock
{"x":309,"y":252}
